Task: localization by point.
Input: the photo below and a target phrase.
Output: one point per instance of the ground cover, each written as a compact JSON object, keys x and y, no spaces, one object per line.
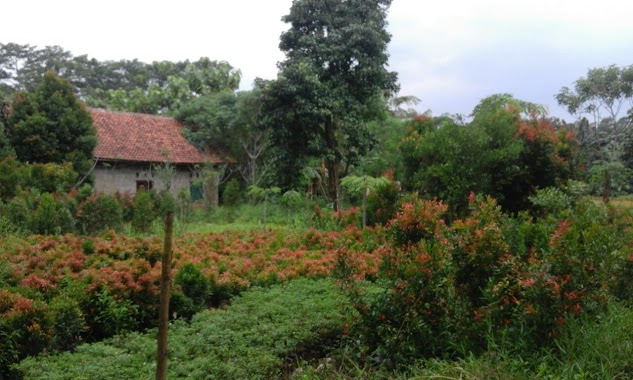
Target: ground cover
{"x":255,"y":338}
{"x":58,"y":291}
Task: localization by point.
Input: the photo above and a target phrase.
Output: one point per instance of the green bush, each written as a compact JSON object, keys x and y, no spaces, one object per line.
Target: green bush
{"x":51,"y":177}
{"x":550,"y":200}
{"x":232,"y":194}
{"x":231,"y":197}
{"x":99,"y":212}
{"x":109,"y":315}
{"x":51,"y":216}
{"x":12,"y":178}
{"x":126,"y":201}
{"x":488,"y":280}
{"x":382,"y":204}
{"x":195,"y":288}
{"x":144,"y":212}
{"x":68,"y":322}
{"x":17,"y":213}
{"x":419,"y":311}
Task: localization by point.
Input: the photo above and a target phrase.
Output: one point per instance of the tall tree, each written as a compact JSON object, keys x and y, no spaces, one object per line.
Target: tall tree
{"x":605,"y":96}
{"x":333,"y":80}
{"x":6,"y":149}
{"x":603,"y":99}
{"x":50,"y":124}
{"x":13,"y":58}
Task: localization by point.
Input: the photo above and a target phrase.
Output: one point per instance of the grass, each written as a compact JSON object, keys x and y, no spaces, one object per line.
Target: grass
{"x":245,"y":217}
{"x":586,"y":351}
{"x":623,"y":202}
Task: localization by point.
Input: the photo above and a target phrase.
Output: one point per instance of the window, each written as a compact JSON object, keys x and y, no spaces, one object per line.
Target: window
{"x":144,"y":185}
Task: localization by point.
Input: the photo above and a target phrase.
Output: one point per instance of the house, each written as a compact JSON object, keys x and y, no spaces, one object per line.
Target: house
{"x":135,"y":149}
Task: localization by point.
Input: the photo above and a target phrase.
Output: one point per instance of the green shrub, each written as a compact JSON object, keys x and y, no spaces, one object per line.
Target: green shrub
{"x":232,"y":194}
{"x":99,"y":212}
{"x":623,"y":288}
{"x":419,"y":312}
{"x":88,"y":247}
{"x":126,"y":201}
{"x":109,"y":315}
{"x":550,"y":200}
{"x":144,"y":212}
{"x":195,"y":288}
{"x":231,"y":197}
{"x":12,"y":178}
{"x":460,"y":288}
{"x":382,"y":204}
{"x":16,"y":212}
{"x":68,"y":322}
{"x":51,"y":216}
{"x":51,"y":177}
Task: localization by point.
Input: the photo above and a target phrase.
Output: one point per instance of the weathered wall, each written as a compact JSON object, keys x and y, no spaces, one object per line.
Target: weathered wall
{"x":123,"y":177}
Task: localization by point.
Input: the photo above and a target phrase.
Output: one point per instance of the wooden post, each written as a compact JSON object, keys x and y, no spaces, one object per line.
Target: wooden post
{"x":163,"y":313}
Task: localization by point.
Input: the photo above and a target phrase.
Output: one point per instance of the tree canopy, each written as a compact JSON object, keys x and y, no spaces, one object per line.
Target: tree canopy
{"x":51,"y":125}
{"x":603,"y":102}
{"x":503,"y":152}
{"x":125,"y":85}
{"x":333,"y":80}
{"x":231,"y":122}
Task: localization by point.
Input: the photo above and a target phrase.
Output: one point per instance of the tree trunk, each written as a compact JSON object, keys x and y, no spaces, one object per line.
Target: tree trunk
{"x":163,"y":313}
{"x":606,"y":190}
{"x":334,"y":185}
{"x":365,"y":192}
{"x":332,"y":164}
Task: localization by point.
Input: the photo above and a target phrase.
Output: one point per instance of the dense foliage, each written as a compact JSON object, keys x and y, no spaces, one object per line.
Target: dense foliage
{"x":332,"y":82}
{"x":482,"y":249}
{"x":125,"y":85}
{"x":453,"y":290}
{"x":501,"y":153}
{"x":601,"y":100}
{"x":232,"y":124}
{"x":421,"y":288}
{"x":51,"y":125}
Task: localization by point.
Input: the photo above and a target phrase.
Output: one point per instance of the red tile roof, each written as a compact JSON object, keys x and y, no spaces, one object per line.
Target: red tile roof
{"x":125,"y":136}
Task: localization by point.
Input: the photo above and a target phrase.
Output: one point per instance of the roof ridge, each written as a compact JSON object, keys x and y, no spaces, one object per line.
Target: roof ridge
{"x":140,"y":114}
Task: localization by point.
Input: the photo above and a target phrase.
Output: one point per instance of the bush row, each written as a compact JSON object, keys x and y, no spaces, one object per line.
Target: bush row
{"x":450,"y":290}
{"x":77,"y":211}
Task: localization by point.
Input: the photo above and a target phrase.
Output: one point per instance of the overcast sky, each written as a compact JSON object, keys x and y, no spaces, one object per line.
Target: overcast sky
{"x":448,"y":53}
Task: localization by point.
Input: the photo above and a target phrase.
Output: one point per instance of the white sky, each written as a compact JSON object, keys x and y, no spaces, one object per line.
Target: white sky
{"x":449,"y":53}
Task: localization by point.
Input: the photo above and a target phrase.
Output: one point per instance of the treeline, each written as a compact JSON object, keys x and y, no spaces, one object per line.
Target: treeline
{"x":125,"y":85}
{"x":333,"y":112}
